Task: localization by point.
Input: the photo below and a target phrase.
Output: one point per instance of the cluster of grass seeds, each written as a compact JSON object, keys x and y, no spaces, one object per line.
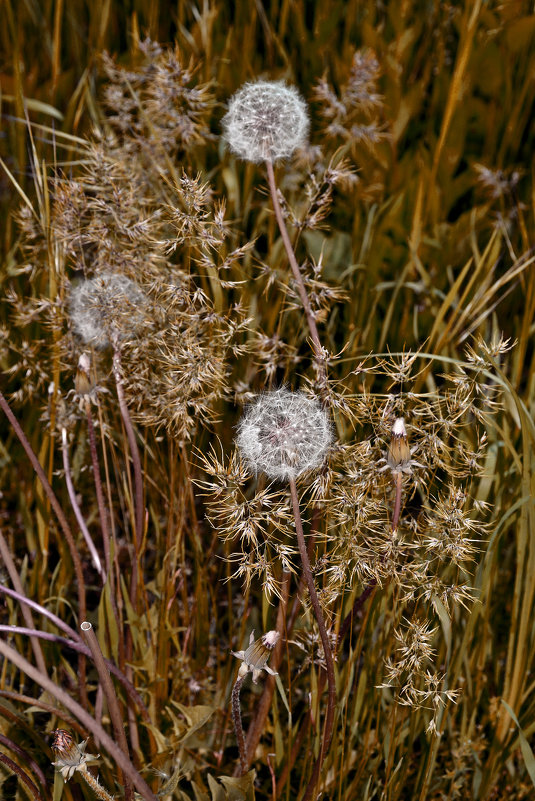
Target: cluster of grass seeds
{"x":267,"y":347}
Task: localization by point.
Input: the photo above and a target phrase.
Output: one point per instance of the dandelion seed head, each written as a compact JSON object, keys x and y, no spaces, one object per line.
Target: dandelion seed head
{"x":106,"y":308}
{"x":284,"y":434}
{"x":266,"y":120}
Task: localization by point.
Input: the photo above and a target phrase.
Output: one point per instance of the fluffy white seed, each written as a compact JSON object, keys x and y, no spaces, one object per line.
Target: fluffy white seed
{"x":266,"y":120}
{"x":284,"y":434}
{"x":106,"y":308}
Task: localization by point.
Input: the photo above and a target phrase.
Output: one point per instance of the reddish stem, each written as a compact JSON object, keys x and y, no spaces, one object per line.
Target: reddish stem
{"x":329,"y":661}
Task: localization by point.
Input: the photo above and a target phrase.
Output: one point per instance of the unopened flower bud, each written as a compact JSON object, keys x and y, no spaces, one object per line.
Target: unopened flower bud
{"x":83,"y":383}
{"x":399,"y":453}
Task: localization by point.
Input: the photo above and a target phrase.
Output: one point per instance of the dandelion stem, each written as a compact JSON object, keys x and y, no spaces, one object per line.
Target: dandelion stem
{"x":77,"y":512}
{"x":262,"y":708}
{"x":318,"y":351}
{"x":95,"y":785}
{"x":111,"y":698}
{"x":238,"y":728}
{"x":62,"y":520}
{"x":134,"y":451}
{"x":397,"y":502}
{"x":53,"y":501}
{"x":23,"y":776}
{"x":329,"y":661}
{"x":102,"y":510}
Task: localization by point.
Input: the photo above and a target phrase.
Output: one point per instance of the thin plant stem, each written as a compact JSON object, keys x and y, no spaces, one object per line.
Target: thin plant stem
{"x":238,"y":728}
{"x":23,"y":776}
{"x":21,"y":598}
{"x":109,"y":692}
{"x":75,"y":556}
{"x":329,"y":661}
{"x":344,"y":629}
{"x":256,"y":726}
{"x":102,"y":510}
{"x":139,"y":517}
{"x":5,"y":553}
{"x":318,"y":350}
{"x":83,"y":649}
{"x":134,"y":451}
{"x":76,"y":509}
{"x":397,"y":503}
{"x":95,"y":785}
{"x":53,"y":502}
{"x":83,"y":716}
{"x":27,"y":758}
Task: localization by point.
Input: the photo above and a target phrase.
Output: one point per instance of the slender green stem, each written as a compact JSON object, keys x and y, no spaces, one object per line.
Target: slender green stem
{"x":327,"y":650}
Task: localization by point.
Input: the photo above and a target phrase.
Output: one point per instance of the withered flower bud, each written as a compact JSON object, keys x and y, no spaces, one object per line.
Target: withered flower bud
{"x":70,"y":755}
{"x":83,"y":383}
{"x":255,"y":658}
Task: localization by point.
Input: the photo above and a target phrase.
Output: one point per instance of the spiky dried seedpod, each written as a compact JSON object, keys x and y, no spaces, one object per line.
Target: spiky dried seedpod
{"x":284,"y":434}
{"x":105,"y":309}
{"x":266,"y":121}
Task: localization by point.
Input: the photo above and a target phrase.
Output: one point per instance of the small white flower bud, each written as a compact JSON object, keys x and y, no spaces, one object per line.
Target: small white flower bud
{"x":106,"y":308}
{"x":266,"y":121}
{"x":283,"y":434}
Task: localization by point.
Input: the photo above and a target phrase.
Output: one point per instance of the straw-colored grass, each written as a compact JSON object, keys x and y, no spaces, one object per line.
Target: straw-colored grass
{"x":411,"y":216}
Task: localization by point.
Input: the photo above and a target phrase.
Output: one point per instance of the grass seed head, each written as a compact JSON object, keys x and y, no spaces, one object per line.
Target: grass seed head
{"x":266,"y":120}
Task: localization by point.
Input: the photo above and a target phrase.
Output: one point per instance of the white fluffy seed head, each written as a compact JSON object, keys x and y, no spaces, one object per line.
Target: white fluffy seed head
{"x":266,"y":121}
{"x":105,"y":309}
{"x":284,"y":434}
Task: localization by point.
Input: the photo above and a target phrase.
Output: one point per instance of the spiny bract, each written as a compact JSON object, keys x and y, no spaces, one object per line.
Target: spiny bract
{"x":283,"y":434}
{"x":104,"y":309}
{"x":266,"y":121}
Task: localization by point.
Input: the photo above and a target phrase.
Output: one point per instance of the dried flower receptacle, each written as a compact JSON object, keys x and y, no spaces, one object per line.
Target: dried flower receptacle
{"x":254,"y":660}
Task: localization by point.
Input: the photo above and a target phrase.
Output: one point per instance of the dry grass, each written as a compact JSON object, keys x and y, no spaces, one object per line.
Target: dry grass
{"x":411,"y":215}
